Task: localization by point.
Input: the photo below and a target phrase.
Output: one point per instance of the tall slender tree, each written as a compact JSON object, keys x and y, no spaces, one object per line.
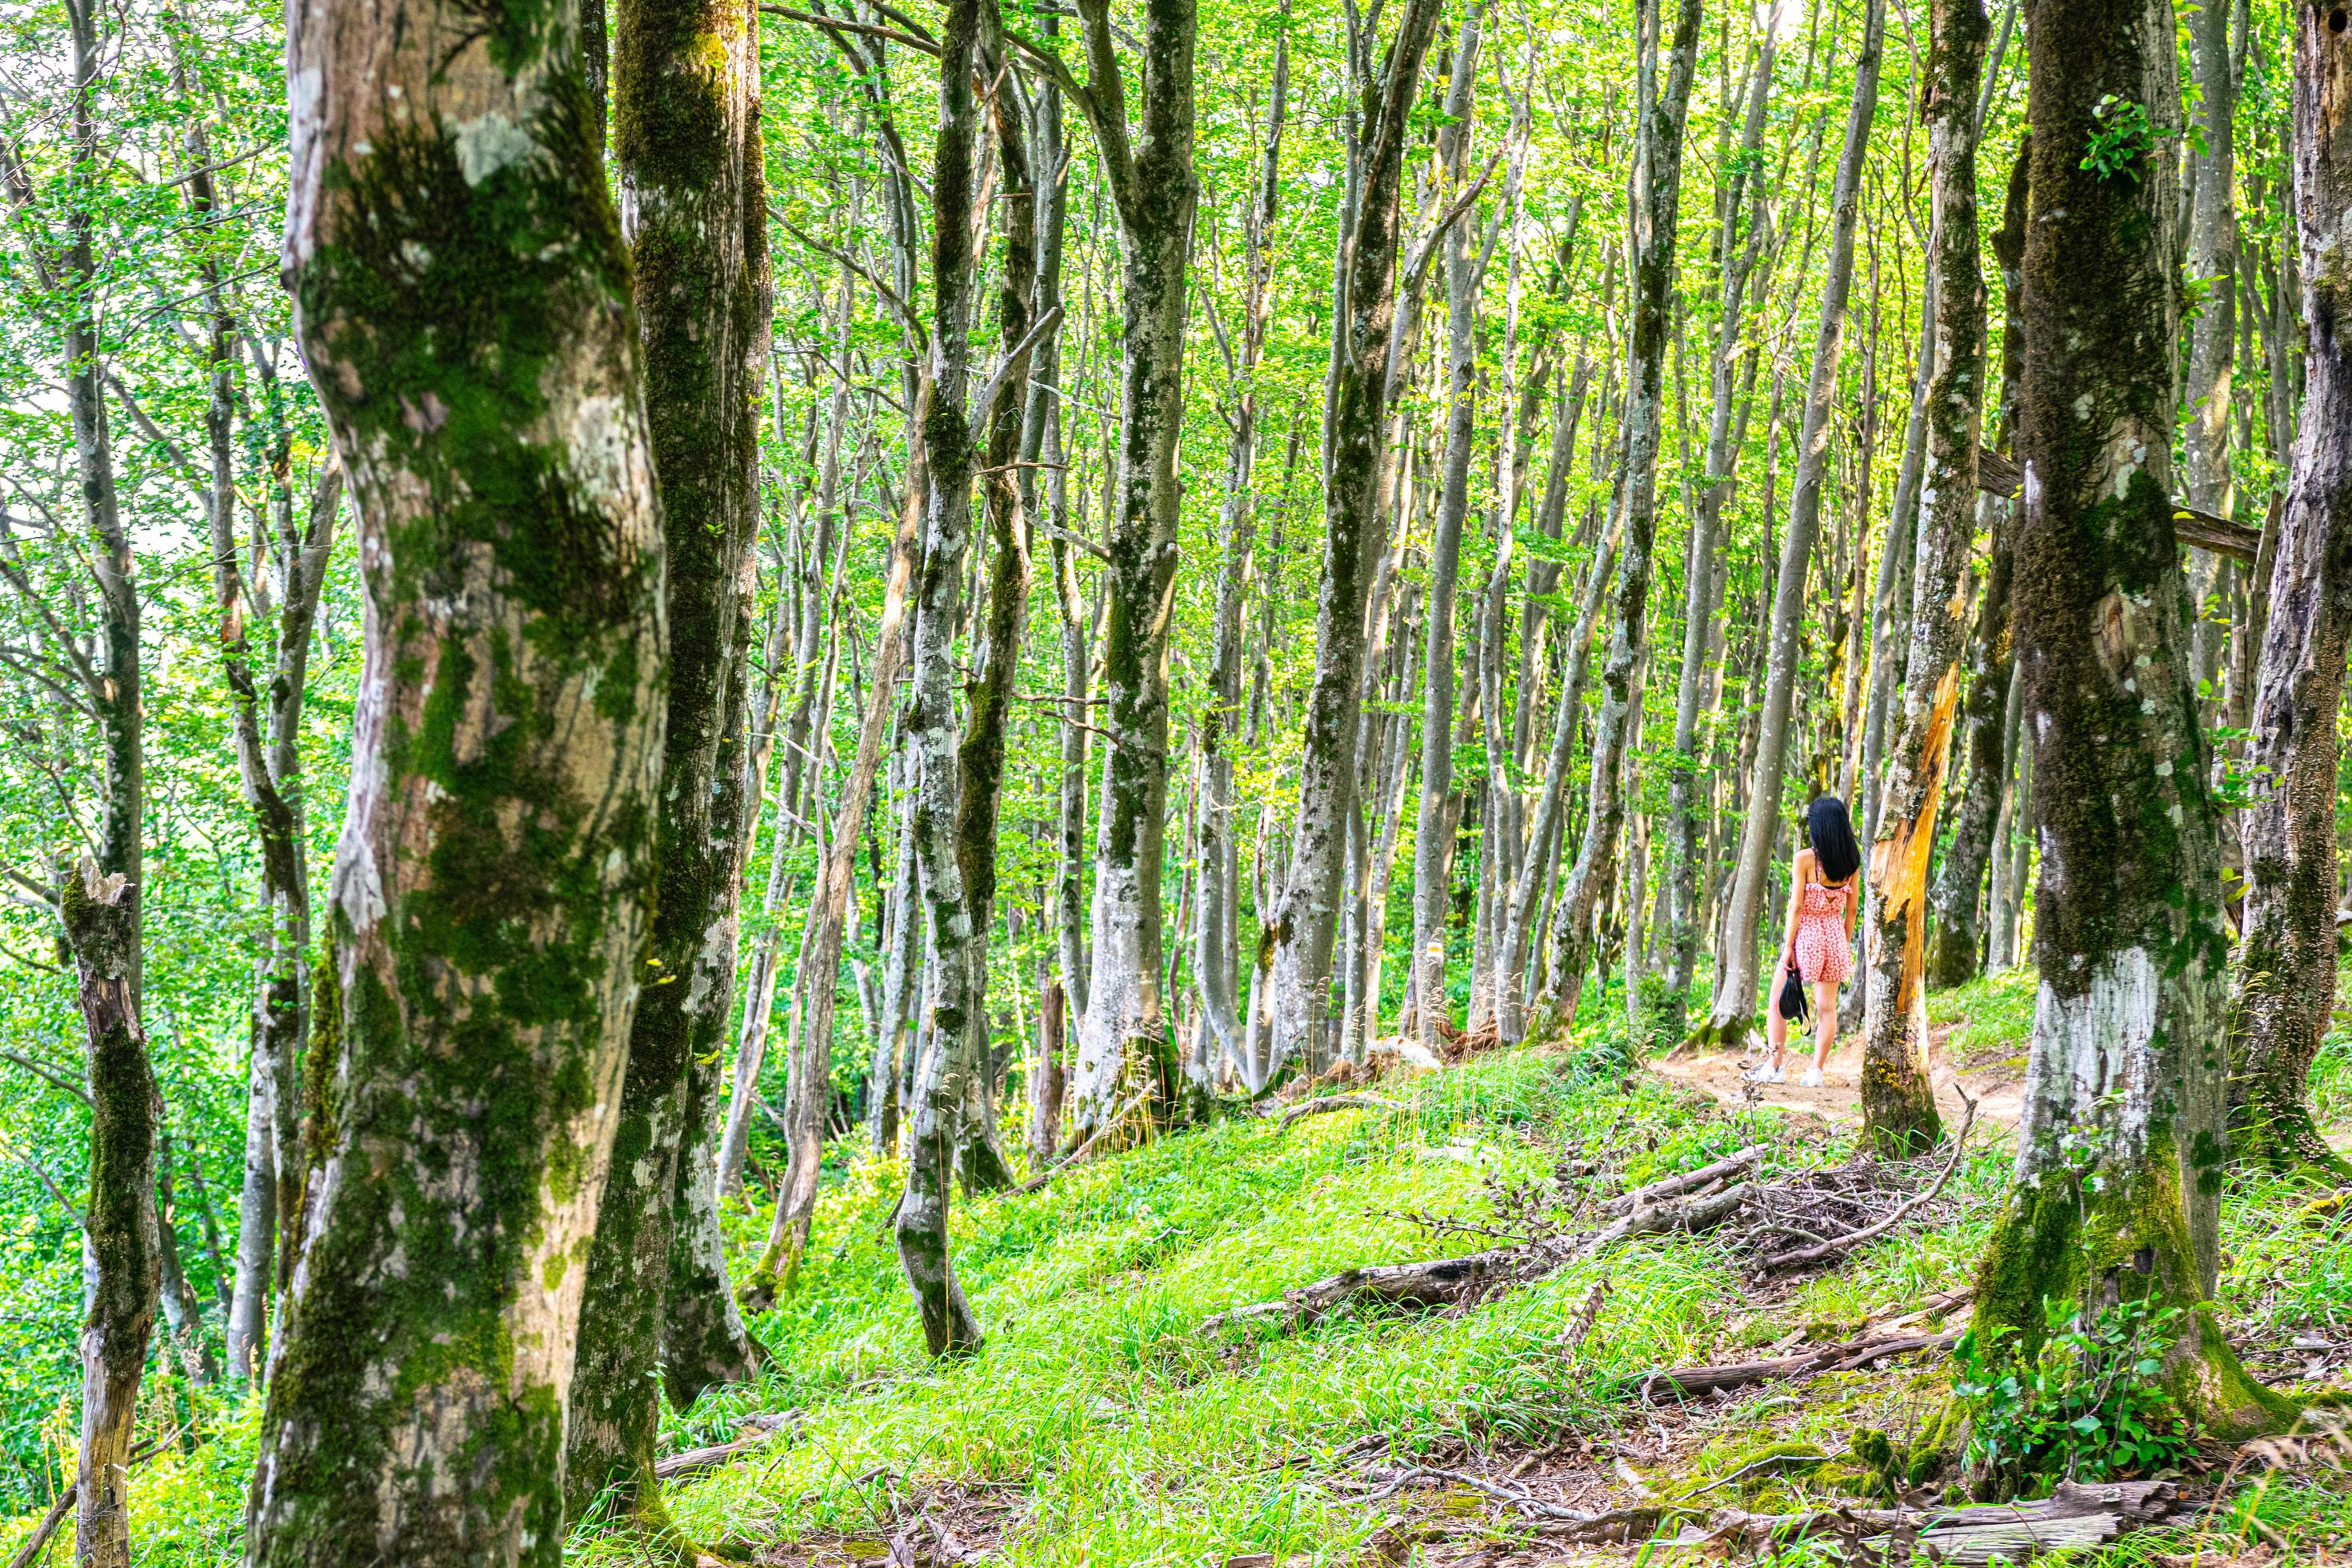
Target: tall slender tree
{"x":1899,"y":1106}
{"x":687,"y":143}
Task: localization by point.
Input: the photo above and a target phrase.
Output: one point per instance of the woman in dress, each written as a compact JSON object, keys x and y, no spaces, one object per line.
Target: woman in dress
{"x":1817,"y":943}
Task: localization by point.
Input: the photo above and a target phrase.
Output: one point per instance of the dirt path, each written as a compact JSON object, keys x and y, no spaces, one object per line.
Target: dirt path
{"x":1837,"y":1100}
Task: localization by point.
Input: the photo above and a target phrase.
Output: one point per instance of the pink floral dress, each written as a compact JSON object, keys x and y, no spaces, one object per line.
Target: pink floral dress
{"x":1823,"y":951}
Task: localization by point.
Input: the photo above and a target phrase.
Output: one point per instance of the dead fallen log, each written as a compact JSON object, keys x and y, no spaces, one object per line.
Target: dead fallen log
{"x":2071,"y":1518}
{"x":757,"y":1432}
{"x":1689,"y":1181}
{"x":1446,"y":1281}
{"x":1333,"y":1102}
{"x":1847,"y":1355}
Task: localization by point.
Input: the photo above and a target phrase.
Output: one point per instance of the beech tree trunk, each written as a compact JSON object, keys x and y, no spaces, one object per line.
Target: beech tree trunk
{"x":1432,"y":856}
{"x":1305,"y":913}
{"x":1152,"y":182}
{"x":1217,"y":957}
{"x":1650,"y":244}
{"x":1956,"y":933}
{"x":687,"y":141}
{"x":269,"y":768}
{"x":952,"y":1039}
{"x":2284,"y":984}
{"x":493,"y":886}
{"x":1684,"y":924}
{"x":2119,"y":1149}
{"x":1898,"y":1104}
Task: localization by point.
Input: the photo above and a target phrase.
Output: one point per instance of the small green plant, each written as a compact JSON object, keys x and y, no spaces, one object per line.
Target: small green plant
{"x":2087,"y":1406}
{"x":2124,"y":137}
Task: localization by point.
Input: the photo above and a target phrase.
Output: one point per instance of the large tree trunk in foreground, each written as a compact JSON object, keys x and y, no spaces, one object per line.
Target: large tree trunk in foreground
{"x":2120,"y":1150}
{"x":1650,"y":246}
{"x":1734,"y":1012}
{"x":952,"y":1039}
{"x":2286,"y":981}
{"x":1122,"y":1028}
{"x":1898,"y":1105}
{"x":493,"y":887}
{"x":686,"y":133}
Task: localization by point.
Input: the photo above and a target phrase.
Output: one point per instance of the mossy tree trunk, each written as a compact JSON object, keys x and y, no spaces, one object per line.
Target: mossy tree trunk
{"x":2284,"y":984}
{"x":1899,"y":1106}
{"x":953,"y":1040}
{"x":1154,"y":186}
{"x":685,"y":138}
{"x":100,"y":900}
{"x":2120,"y":1150}
{"x":980,"y":1164}
{"x":1956,"y":944}
{"x":494,"y":882}
{"x":1650,"y":244}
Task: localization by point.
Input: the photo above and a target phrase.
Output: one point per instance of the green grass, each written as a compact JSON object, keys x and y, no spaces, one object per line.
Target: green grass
{"x":1106,"y":1429}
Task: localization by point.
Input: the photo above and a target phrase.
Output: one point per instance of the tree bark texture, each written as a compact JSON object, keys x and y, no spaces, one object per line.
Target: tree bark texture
{"x":1305,"y":913}
{"x":1683,"y":925}
{"x":1216,"y":967}
{"x":2119,"y":1152}
{"x":1651,"y":246}
{"x":120,"y":1257}
{"x":1155,"y":189}
{"x":1956,"y":933}
{"x":953,"y":1040}
{"x":694,"y":210}
{"x":2285,"y":984}
{"x":493,"y":886}
{"x":1898,"y":1105}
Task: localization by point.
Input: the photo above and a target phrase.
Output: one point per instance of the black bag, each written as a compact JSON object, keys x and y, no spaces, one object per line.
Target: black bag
{"x":1792,"y":995}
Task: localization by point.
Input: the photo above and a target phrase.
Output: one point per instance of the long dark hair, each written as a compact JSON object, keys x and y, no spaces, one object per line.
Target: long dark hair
{"x":1831,"y":833}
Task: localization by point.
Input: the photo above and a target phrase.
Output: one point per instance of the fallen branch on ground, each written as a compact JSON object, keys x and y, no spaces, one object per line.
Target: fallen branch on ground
{"x":1118,"y":1120}
{"x":1728,"y":1165}
{"x":1847,"y":1355}
{"x":2071,"y":1518}
{"x":1838,"y":1246}
{"x":38,"y":1542}
{"x":1331,"y":1102}
{"x":766,"y":1427}
{"x":1447,"y":1280}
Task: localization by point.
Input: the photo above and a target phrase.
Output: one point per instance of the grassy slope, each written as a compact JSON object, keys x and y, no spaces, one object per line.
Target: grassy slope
{"x":1109,"y":1432}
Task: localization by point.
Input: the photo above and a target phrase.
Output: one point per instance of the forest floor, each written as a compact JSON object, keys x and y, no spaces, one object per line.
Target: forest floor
{"x":1106,"y":1422}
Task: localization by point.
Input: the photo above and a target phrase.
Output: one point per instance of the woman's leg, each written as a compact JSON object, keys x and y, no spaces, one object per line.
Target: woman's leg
{"x":1825,"y":1013}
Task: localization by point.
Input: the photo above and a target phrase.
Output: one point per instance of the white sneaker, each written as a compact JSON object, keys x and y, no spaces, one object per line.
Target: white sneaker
{"x":1813,"y":1079}
{"x":1765,"y":1072}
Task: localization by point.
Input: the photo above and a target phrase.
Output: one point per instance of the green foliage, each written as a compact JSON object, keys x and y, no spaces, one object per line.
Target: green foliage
{"x":2124,"y":136}
{"x":2089,"y":1405}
